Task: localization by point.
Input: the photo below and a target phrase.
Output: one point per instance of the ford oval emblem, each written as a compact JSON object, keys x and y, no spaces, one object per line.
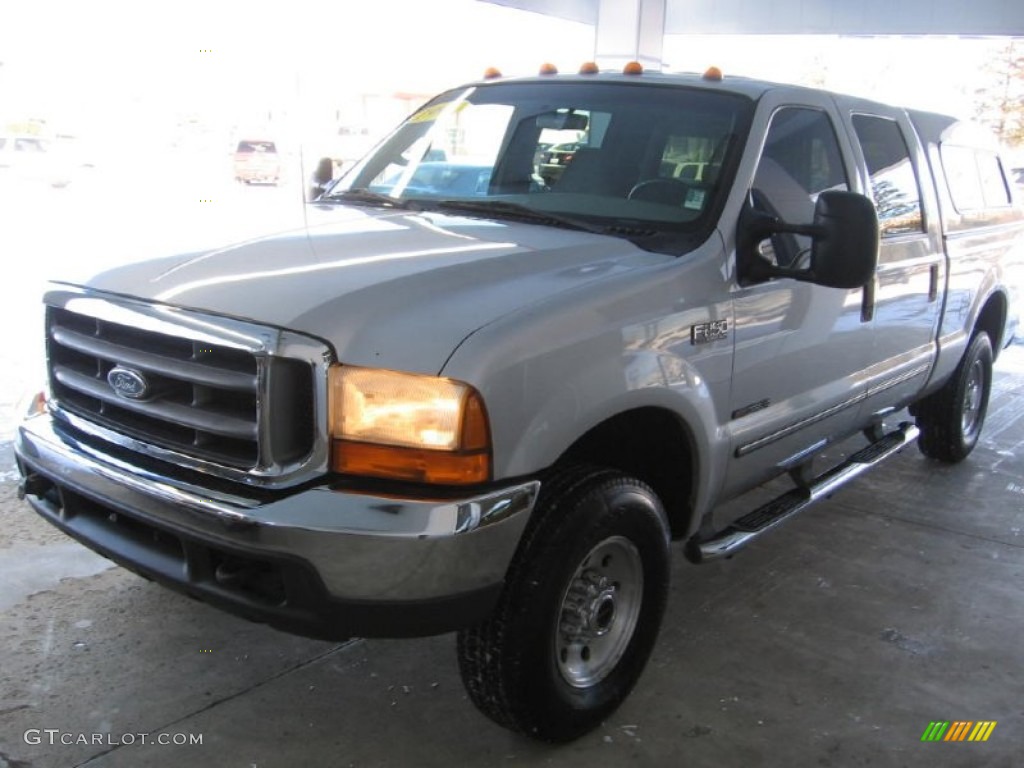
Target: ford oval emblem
{"x":128,"y":383}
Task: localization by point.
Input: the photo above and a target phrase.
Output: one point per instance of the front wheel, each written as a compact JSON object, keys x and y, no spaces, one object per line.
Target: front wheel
{"x":580,"y":612}
{"x":951,"y":419}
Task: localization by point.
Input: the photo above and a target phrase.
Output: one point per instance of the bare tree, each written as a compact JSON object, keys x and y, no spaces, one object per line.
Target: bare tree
{"x":1001,"y":104}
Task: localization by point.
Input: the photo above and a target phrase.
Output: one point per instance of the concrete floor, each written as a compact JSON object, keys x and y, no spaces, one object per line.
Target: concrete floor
{"x":832,"y":642}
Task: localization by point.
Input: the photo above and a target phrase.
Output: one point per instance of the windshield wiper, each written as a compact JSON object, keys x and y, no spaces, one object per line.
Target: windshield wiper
{"x":365,"y":196}
{"x":505,"y":210}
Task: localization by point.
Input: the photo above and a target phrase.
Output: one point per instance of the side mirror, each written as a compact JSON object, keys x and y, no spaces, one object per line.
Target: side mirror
{"x":844,"y":234}
{"x":323,"y":175}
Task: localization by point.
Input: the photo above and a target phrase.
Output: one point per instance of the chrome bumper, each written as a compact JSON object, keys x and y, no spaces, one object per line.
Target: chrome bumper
{"x":319,"y":561}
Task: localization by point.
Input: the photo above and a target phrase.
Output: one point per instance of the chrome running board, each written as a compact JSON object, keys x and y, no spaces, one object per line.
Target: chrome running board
{"x":742,"y":531}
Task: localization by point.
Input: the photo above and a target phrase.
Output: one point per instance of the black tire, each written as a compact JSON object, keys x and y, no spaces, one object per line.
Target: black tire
{"x":951,"y":419}
{"x":580,"y":611}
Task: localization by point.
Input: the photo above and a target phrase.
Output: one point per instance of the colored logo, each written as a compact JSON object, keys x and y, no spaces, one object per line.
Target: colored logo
{"x":958,"y":730}
{"x":128,"y":383}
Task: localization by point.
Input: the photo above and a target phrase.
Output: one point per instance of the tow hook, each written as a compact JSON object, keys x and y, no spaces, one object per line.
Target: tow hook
{"x":31,"y":485}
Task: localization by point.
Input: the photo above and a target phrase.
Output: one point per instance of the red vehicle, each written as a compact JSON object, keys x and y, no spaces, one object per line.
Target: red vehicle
{"x":257,"y":161}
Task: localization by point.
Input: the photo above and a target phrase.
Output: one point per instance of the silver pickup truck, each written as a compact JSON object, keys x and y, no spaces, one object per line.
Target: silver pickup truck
{"x":473,"y":396}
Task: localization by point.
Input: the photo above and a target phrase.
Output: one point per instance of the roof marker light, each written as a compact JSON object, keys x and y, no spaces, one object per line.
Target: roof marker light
{"x":547,"y":68}
{"x":491,"y":73}
{"x":633,"y":68}
{"x":588,"y":68}
{"x":714,"y":74}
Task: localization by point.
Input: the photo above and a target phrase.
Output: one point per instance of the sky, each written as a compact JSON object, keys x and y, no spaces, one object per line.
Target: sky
{"x":112,"y":64}
{"x":111,"y":68}
{"x":935,"y":73}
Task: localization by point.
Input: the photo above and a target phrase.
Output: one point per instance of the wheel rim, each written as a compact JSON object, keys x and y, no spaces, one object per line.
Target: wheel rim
{"x":974,"y":393}
{"x":599,"y":612}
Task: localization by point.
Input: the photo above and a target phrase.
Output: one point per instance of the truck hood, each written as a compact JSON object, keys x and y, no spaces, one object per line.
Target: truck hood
{"x":387,"y":289}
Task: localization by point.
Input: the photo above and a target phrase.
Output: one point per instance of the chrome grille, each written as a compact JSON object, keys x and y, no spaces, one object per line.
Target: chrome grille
{"x":195,"y":398}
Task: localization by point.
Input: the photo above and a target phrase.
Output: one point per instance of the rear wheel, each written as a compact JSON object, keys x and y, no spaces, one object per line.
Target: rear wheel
{"x":951,"y":419}
{"x":580,"y":612}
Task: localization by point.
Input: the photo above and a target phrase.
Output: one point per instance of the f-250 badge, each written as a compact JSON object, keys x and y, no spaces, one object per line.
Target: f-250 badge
{"x":713,"y":330}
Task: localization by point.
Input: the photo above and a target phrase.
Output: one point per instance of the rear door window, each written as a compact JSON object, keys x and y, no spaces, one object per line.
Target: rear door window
{"x":993,"y":182}
{"x":893,"y":180}
{"x":975,"y":178}
{"x":962,"y":177}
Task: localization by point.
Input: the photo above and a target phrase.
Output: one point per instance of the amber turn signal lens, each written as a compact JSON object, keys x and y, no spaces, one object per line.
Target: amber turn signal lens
{"x":415,"y":465}
{"x":37,"y":405}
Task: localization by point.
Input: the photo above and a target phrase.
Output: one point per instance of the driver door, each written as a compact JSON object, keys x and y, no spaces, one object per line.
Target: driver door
{"x":800,"y":348}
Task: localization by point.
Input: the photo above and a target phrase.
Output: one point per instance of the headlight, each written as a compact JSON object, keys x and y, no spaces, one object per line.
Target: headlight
{"x":408,"y":427}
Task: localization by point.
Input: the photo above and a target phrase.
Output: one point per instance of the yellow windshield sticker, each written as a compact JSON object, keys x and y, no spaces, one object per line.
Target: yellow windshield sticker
{"x":430,"y":113}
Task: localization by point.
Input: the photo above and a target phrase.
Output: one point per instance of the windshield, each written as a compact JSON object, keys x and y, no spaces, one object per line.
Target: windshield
{"x":611,"y":154}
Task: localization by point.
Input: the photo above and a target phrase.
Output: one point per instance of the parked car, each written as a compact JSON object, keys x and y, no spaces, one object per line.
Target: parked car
{"x":256,"y":161}
{"x":554,"y":160}
{"x":497,"y":409}
{"x":33,"y":159}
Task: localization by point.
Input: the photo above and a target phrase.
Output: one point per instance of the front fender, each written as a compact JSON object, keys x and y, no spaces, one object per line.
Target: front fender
{"x":553,"y":371}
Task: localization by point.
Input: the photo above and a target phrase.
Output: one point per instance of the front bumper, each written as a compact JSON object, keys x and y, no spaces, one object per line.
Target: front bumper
{"x":319,"y":561}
